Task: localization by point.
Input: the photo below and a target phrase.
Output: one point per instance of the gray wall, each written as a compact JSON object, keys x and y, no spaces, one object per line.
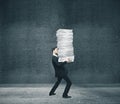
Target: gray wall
{"x":27,"y":34}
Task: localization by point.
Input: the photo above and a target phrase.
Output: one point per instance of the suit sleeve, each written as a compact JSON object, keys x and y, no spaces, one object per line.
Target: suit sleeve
{"x":55,"y":59}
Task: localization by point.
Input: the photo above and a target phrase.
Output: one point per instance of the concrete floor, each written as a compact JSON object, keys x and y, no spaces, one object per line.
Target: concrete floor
{"x":39,"y":95}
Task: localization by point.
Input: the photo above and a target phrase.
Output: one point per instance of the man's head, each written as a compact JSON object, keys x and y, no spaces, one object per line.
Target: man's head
{"x":55,"y":50}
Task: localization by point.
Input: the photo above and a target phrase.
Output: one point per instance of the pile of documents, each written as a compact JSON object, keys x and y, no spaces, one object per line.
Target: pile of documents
{"x":65,"y":44}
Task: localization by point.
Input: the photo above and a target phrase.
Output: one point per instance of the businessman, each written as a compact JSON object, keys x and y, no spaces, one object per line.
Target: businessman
{"x":60,"y":73}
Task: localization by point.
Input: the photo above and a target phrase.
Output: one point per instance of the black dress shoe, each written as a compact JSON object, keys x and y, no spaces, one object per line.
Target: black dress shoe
{"x":66,"y":96}
{"x":50,"y":94}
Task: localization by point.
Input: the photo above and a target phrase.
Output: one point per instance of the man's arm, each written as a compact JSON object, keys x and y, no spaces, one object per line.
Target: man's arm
{"x":55,"y":59}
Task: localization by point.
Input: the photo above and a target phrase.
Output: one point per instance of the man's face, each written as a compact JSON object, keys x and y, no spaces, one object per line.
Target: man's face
{"x":56,"y":50}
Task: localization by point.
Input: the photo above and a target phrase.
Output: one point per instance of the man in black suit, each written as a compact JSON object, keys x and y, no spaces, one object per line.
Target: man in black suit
{"x":60,"y":73}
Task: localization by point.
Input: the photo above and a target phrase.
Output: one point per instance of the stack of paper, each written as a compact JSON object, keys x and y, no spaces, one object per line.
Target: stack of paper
{"x":65,"y":44}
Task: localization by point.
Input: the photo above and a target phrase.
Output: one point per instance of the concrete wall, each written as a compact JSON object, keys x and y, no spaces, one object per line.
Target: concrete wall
{"x":28,"y":33}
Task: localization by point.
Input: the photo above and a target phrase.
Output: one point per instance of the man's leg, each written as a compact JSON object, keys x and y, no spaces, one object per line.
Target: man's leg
{"x":55,"y":86}
{"x":67,"y":88}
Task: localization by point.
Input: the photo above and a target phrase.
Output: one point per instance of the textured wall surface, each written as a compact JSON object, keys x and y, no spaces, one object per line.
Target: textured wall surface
{"x":27,"y":34}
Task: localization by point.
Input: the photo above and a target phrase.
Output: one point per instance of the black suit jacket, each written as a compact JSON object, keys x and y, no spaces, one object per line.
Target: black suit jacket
{"x":60,"y":70}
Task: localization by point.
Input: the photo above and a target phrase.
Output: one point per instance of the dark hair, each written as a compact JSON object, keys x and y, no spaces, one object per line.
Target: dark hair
{"x":53,"y":48}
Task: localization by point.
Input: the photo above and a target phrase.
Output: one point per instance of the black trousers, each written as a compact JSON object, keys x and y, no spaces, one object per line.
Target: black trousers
{"x":68,"y":85}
